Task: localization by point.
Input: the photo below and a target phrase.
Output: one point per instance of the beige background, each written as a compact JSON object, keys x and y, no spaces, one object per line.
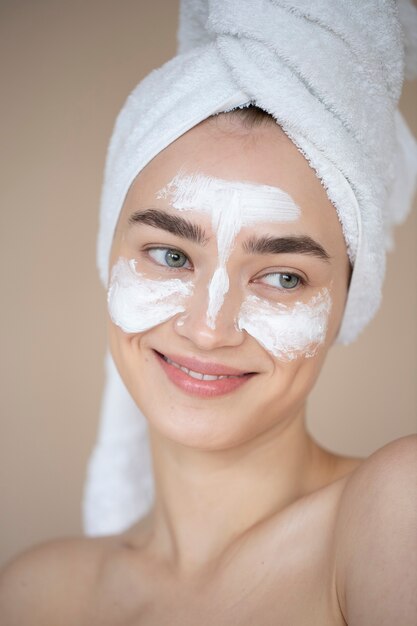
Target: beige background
{"x":66,"y":70}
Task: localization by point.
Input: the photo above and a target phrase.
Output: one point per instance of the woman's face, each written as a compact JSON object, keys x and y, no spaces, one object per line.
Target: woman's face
{"x":228,"y":261}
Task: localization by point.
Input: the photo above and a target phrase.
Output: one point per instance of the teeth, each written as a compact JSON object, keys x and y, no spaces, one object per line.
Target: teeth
{"x":208,"y":377}
{"x":194,"y":374}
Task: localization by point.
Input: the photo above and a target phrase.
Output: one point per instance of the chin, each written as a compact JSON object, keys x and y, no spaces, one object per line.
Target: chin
{"x":202,"y":428}
{"x":209,"y":428}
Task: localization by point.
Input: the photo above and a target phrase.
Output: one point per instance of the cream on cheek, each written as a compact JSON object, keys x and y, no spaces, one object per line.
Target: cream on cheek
{"x":136,"y":303}
{"x":287,"y":332}
{"x":231,"y":205}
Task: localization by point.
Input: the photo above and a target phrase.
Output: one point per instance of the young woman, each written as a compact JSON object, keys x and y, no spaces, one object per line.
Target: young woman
{"x":232,"y":269}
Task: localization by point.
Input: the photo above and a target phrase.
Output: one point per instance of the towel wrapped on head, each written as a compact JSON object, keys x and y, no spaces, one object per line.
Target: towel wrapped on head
{"x":330,"y":73}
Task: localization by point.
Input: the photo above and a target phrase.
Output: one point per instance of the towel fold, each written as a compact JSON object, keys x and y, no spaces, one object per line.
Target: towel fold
{"x":330,"y":72}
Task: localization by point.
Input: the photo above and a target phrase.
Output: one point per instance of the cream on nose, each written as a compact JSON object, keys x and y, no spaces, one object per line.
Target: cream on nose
{"x":231,"y":205}
{"x":217,"y":289}
{"x":194,"y":325}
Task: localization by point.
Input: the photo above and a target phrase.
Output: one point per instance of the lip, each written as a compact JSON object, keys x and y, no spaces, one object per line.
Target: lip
{"x":213,"y":369}
{"x":202,"y":388}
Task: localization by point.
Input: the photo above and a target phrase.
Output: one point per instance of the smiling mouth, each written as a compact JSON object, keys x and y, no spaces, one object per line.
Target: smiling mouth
{"x":215,"y":379}
{"x":199,"y":375}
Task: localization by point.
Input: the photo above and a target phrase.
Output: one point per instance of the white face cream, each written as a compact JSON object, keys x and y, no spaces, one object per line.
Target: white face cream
{"x":231,"y":206}
{"x":136,"y":303}
{"x":287,"y":331}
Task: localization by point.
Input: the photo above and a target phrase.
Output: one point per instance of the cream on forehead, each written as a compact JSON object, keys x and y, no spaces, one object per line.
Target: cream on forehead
{"x":232,"y":205}
{"x":257,"y":203}
{"x":136,"y":303}
{"x":287,"y":331}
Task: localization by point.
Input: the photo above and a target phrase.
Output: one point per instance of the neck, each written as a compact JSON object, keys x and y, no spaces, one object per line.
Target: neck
{"x":206,"y":500}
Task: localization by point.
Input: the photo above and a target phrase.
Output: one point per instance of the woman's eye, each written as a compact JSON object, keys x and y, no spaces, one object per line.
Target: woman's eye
{"x":169,"y":257}
{"x":282,"y":280}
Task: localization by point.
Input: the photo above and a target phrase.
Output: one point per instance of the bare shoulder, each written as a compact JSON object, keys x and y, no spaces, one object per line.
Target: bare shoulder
{"x":376,"y":538}
{"x":51,"y":582}
{"x":390,"y":471}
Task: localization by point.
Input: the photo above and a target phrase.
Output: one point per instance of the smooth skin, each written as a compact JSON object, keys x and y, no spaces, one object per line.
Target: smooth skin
{"x":254,"y":523}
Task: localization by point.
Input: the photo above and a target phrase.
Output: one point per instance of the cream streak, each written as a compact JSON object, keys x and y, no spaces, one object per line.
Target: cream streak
{"x":232,"y":205}
{"x":287,"y":332}
{"x":136,"y":303}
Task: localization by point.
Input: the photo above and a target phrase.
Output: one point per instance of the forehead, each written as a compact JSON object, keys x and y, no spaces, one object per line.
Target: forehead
{"x":260,"y":156}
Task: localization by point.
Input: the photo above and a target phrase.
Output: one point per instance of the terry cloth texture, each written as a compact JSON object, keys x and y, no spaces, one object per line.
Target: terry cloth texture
{"x":330,"y":72}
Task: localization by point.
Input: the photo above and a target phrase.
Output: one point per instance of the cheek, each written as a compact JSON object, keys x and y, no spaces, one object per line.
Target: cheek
{"x":136,"y":303}
{"x":339,"y":294}
{"x":287,"y":332}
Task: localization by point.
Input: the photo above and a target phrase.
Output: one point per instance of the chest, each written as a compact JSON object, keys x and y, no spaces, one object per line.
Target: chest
{"x":276,"y":580}
{"x":289,"y":602}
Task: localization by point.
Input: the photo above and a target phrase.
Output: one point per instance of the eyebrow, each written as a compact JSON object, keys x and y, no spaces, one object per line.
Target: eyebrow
{"x":286,"y":245}
{"x":173,"y":224}
{"x":181,"y":227}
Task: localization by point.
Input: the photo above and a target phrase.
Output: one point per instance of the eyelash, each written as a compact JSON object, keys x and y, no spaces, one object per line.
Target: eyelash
{"x":165,"y":250}
{"x":301,"y":280}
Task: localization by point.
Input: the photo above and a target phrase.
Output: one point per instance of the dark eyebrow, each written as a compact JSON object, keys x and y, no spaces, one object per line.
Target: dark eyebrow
{"x":174,"y":224}
{"x":289,"y":245}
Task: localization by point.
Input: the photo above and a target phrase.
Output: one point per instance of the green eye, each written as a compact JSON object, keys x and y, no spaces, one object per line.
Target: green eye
{"x":174,"y":258}
{"x":282,"y":280}
{"x":169,"y":257}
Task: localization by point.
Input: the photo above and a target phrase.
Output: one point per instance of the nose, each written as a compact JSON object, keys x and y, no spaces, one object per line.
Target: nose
{"x":193,"y":323}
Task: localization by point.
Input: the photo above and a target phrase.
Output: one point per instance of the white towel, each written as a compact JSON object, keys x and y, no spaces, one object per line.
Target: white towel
{"x":331,"y":73}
